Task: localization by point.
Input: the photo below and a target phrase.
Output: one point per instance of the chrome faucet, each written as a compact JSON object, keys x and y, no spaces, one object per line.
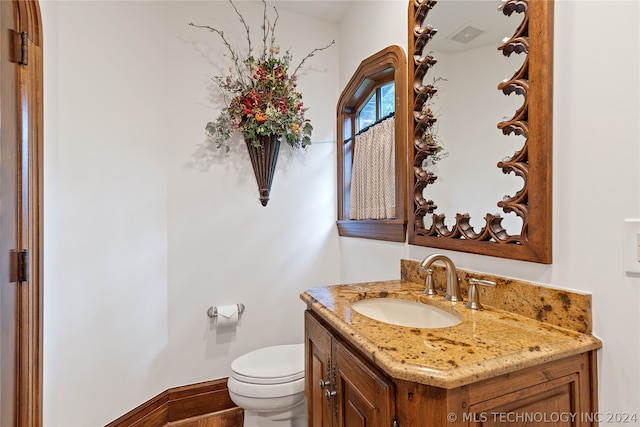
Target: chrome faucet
{"x":453,"y":283}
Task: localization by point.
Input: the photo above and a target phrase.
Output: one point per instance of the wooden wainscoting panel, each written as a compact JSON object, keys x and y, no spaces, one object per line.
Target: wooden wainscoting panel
{"x":198,"y":399}
{"x":152,"y":413}
{"x":233,"y":417}
{"x":206,"y":401}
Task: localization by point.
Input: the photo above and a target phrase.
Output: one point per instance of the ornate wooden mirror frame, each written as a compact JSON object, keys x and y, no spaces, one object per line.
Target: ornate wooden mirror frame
{"x":533,"y":120}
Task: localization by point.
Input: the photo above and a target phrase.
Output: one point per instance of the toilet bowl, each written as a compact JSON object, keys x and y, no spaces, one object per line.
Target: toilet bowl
{"x":268,"y":384}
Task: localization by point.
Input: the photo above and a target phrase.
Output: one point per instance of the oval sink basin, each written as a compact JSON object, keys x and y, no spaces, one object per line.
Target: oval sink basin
{"x":405,"y":313}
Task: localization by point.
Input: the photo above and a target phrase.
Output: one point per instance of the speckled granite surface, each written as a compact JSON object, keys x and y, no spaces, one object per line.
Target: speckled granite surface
{"x":485,"y":344}
{"x":571,"y":310}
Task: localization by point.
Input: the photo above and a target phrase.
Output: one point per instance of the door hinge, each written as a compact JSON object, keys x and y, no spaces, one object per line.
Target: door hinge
{"x":20,"y":47}
{"x":23,"y":266}
{"x":24,"y":48}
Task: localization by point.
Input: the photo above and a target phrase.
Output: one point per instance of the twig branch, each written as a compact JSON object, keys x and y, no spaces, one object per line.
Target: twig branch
{"x":221,"y":34}
{"x":273,"y":27}
{"x":246,"y":27}
{"x":223,"y":90}
{"x":237,"y":61}
{"x":318,"y":49}
{"x":265,"y":29}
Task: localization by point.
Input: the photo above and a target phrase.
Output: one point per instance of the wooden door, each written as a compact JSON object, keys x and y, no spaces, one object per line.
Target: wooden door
{"x":317,"y":369}
{"x":364,"y":398}
{"x":20,"y":213}
{"x":9,"y":220}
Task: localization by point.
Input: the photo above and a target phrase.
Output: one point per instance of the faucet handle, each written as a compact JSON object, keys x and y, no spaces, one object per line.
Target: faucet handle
{"x":474,"y":281}
{"x":474,"y":298}
{"x":429,"y":288}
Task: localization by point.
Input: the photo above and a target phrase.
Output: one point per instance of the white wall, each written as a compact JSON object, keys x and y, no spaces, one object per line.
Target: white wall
{"x":144,"y":229}
{"x":596,"y":183}
{"x":106,"y":216}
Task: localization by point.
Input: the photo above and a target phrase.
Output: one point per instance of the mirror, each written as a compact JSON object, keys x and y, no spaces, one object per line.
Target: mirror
{"x":465,"y":79}
{"x":457,"y":101}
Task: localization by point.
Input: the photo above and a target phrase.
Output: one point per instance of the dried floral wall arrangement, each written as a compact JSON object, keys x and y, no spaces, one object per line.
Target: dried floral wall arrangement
{"x":261,"y":99}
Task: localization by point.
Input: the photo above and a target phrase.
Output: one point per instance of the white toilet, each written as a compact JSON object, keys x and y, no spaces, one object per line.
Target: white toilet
{"x":268,"y":384}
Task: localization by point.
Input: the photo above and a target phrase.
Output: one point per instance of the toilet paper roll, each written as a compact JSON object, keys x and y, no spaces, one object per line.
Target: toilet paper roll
{"x":227,"y":314}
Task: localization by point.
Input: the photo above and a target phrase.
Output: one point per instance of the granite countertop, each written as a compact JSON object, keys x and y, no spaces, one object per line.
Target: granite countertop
{"x":487,"y":343}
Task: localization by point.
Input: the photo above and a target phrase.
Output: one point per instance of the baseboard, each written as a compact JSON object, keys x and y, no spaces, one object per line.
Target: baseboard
{"x":177,"y":404}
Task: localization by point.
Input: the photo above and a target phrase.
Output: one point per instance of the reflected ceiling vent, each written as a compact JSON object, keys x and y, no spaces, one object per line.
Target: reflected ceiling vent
{"x":466,"y":34}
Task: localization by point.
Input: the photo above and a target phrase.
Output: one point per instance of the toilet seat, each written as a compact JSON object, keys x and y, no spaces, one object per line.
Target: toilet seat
{"x":265,"y":391}
{"x":274,"y":365}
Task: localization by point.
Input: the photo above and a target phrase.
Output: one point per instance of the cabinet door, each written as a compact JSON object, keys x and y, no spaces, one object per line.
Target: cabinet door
{"x":553,"y":403}
{"x":363,"y":398}
{"x":318,"y":368}
{"x":558,"y":393}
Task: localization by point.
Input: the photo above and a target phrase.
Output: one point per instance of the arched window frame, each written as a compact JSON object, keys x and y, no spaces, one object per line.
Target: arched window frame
{"x":390,"y":64}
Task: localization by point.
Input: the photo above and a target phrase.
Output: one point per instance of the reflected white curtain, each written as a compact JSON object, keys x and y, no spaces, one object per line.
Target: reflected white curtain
{"x":373,"y":179}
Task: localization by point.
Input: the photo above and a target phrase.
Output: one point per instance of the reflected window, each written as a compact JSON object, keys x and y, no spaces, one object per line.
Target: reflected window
{"x":378,"y":89}
{"x":380,"y":103}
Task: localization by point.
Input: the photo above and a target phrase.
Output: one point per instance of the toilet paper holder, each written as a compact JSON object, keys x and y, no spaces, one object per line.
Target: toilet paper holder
{"x":213,"y":311}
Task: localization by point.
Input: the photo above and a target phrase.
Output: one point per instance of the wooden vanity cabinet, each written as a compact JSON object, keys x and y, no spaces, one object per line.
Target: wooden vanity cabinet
{"x":342,"y":388}
{"x":558,"y":393}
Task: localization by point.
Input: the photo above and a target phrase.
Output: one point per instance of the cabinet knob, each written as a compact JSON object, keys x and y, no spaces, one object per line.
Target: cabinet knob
{"x":324,"y":384}
{"x":330,"y":393}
